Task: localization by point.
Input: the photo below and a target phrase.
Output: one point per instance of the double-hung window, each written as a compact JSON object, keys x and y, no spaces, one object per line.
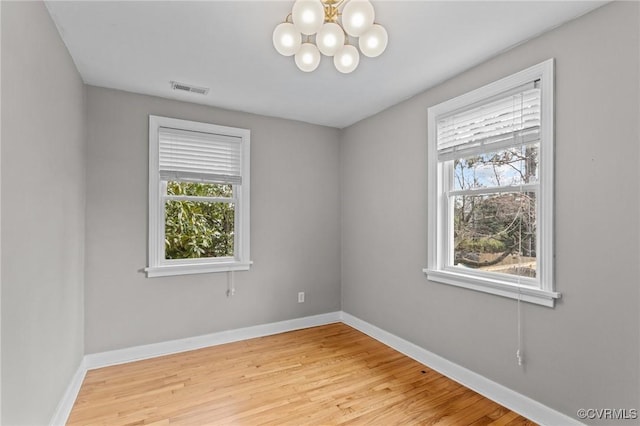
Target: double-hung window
{"x":198,"y":197}
{"x":490,"y":188}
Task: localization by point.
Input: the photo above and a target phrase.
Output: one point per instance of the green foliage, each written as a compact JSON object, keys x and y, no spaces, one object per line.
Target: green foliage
{"x":196,"y":229}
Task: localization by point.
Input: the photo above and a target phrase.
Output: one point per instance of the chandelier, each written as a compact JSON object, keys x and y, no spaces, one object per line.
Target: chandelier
{"x":336,"y":24}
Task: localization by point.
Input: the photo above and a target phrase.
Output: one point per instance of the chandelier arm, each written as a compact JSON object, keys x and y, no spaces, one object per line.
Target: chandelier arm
{"x":346,"y":36}
{"x":337,"y":6}
{"x":331,"y":12}
{"x":334,"y":3}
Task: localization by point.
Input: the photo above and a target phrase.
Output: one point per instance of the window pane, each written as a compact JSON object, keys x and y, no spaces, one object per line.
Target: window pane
{"x":198,"y":229}
{"x":511,"y":166}
{"x":200,"y":189}
{"x":496,"y":233}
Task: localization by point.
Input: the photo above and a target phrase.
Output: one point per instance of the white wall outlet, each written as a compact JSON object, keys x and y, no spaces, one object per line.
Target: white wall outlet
{"x":301,"y":297}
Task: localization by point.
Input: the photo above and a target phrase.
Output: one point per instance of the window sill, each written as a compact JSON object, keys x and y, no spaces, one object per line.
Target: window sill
{"x":203,"y":268}
{"x":505,"y":289}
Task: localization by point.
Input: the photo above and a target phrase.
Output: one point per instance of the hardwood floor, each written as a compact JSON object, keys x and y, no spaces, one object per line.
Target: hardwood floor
{"x":326,"y":375}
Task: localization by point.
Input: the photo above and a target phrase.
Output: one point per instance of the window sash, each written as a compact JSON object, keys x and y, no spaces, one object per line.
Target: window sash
{"x":449,"y":195}
{"x":164,"y":197}
{"x":515,"y":280}
{"x":199,"y":199}
{"x":528,"y":187}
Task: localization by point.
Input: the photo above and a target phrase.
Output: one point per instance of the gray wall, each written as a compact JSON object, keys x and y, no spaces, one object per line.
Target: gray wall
{"x":43,"y":202}
{"x":582,"y":354}
{"x":295,"y":228}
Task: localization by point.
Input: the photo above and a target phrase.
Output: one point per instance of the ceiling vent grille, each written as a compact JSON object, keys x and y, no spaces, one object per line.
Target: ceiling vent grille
{"x":183,"y":87}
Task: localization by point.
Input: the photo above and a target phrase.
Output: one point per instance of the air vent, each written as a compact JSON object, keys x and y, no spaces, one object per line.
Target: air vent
{"x":189,"y":88}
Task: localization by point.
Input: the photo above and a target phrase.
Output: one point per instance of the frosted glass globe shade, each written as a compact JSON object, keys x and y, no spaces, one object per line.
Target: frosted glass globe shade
{"x":374,"y":41}
{"x":357,"y":17}
{"x":346,"y":59}
{"x":308,"y":57}
{"x":307,"y":16}
{"x":330,"y":39}
{"x":286,"y":39}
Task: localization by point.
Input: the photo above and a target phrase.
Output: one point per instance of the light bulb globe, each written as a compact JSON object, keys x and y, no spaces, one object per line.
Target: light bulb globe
{"x":307,"y":16}
{"x":346,"y":59}
{"x":308,"y":57}
{"x":374,"y":41}
{"x":357,"y":17}
{"x":330,"y":39}
{"x":286,"y":39}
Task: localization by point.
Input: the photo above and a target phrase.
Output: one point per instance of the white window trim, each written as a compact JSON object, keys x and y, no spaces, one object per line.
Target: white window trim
{"x":160,"y":267}
{"x":543,"y":293}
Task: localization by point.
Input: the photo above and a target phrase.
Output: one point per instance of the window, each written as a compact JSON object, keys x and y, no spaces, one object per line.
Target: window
{"x":198,"y":198}
{"x":490,"y":188}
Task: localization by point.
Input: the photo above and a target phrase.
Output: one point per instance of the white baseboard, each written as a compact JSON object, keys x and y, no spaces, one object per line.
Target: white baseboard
{"x":69,"y":398}
{"x":513,"y":400}
{"x":136,"y":353}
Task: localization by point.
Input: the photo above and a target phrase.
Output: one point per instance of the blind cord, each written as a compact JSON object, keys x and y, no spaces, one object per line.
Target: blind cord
{"x":519,"y":354}
{"x":519,"y":351}
{"x":231,"y":288}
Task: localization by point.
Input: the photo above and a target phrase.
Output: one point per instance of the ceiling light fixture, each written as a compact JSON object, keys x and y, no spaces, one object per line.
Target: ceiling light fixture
{"x":333,"y":29}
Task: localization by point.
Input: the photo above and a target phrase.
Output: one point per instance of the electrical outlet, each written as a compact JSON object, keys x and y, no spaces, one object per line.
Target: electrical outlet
{"x":301,"y":297}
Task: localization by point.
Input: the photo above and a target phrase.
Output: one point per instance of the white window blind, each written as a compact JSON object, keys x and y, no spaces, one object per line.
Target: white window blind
{"x":197,"y":156}
{"x":511,"y":118}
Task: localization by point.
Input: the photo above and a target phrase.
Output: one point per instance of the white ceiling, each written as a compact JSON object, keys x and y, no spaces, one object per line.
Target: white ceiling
{"x":226,"y":46}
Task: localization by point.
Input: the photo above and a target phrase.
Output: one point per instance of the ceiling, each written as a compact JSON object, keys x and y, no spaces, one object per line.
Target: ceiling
{"x":226,"y":46}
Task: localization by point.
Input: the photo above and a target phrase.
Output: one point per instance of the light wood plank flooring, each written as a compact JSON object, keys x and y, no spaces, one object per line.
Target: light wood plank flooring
{"x":326,"y":375}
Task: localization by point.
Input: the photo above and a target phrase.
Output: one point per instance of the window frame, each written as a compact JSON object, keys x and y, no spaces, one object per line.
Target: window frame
{"x":159,"y":266}
{"x":540,"y":290}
